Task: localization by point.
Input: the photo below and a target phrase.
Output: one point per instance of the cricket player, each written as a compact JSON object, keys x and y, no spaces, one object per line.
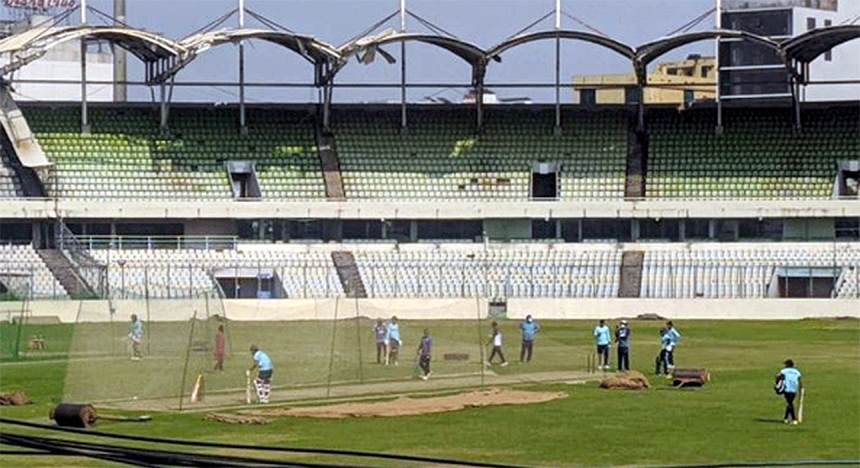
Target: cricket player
{"x":135,"y":334}
{"x":622,"y":340}
{"x":424,"y":349}
{"x":602,"y":338}
{"x":263,"y":365}
{"x":662,"y":363}
{"x":496,"y":341}
{"x":393,"y":340}
{"x":220,"y":353}
{"x":673,"y":338}
{"x":530,"y":328}
{"x":380,"y":332}
{"x":792,"y":386}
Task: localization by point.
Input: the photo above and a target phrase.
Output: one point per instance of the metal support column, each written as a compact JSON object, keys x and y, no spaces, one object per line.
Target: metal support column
{"x":327,"y":94}
{"x":403,"y":120}
{"x":719,"y":25}
{"x":85,"y":124}
{"x":242,"y":128}
{"x":479,"y":105}
{"x":120,"y":65}
{"x":557,"y":128}
{"x":795,"y":103}
{"x":163,"y":107}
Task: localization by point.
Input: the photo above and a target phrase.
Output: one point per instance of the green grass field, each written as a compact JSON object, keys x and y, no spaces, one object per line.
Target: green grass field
{"x":736,"y":418}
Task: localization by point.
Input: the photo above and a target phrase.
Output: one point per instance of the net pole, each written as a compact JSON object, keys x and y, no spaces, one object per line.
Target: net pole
{"x":20,"y":327}
{"x":331,"y":350}
{"x":187,"y":357}
{"x":148,"y":330}
{"x":480,"y":337}
{"x":358,"y":335}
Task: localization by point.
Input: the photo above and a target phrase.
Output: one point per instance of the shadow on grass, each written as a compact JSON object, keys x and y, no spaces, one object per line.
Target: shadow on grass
{"x":765,"y":420}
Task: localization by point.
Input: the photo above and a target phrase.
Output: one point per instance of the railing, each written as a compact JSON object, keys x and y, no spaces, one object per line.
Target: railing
{"x":159,"y":242}
{"x":91,"y":271}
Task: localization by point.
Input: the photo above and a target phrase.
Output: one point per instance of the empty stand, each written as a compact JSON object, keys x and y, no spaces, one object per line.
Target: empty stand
{"x":10,"y":183}
{"x":440,"y":157}
{"x":169,"y":273}
{"x":743,"y":271}
{"x":759,"y":155}
{"x":126,"y":156}
{"x":472,"y":271}
{"x":23,"y":272}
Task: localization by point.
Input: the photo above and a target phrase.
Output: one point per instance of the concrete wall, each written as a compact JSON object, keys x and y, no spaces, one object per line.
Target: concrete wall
{"x":456,"y":309}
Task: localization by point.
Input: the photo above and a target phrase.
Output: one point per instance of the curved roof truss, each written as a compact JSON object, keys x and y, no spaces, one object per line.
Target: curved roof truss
{"x":145,"y":45}
{"x":603,"y":41}
{"x":648,"y":52}
{"x":472,"y":54}
{"x":809,"y":45}
{"x":311,"y":49}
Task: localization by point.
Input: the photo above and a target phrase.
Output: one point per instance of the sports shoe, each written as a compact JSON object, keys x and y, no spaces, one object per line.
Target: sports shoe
{"x":794,"y":423}
{"x":504,"y":364}
{"x":423,"y":377}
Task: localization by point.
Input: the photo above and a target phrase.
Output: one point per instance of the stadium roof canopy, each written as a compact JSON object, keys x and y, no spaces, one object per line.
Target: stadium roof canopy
{"x":809,"y":45}
{"x":469,"y":52}
{"x":34,"y":43}
{"x":310,"y":48}
{"x":647,"y":53}
{"x":611,"y":44}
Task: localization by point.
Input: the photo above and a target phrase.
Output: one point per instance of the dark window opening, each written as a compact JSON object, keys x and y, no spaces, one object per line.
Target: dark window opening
{"x":807,"y":282}
{"x":666,"y":229}
{"x":588,"y":97}
{"x":543,"y":229}
{"x":466,"y":229}
{"x":544,"y":186}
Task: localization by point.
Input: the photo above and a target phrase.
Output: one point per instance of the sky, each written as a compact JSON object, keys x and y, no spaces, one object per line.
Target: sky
{"x":482,"y":22}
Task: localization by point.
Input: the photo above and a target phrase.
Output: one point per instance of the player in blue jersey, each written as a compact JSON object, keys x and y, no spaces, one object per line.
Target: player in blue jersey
{"x":791,"y":386}
{"x":672,"y":337}
{"x":602,"y":338}
{"x":622,"y":341}
{"x":394,"y":341}
{"x":263,"y":364}
{"x":530,"y":328}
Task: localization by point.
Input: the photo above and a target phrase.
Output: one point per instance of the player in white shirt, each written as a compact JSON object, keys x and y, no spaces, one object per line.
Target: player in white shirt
{"x":496,"y":341}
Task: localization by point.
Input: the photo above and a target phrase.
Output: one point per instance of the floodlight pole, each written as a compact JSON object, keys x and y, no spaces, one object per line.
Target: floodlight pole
{"x":719,"y":25}
{"x":403,"y":120}
{"x":85,"y":125}
{"x":242,"y":127}
{"x":557,"y":68}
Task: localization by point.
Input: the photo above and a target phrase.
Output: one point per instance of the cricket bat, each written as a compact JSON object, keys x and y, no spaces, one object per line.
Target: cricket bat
{"x":247,"y":387}
{"x":800,"y":406}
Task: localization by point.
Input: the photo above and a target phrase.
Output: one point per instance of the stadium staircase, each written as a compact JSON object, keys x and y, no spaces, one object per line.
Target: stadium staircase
{"x":631,"y":273}
{"x":331,"y":168}
{"x":347,"y":271}
{"x":66,"y":273}
{"x":637,"y":157}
